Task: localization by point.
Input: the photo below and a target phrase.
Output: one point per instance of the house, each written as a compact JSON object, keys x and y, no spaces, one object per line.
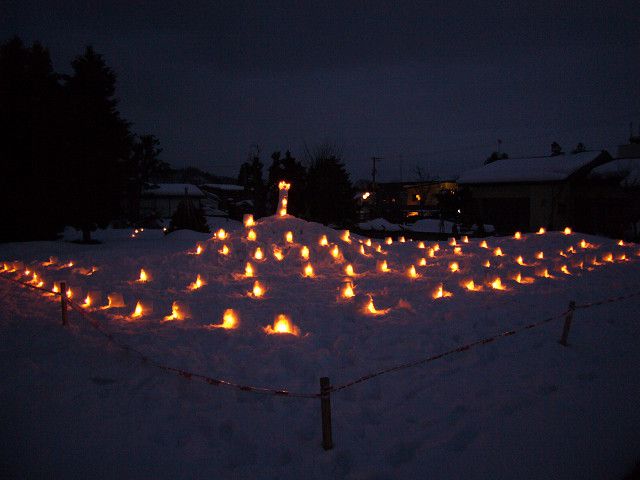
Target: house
{"x":528,"y":193}
{"x":428,"y":198}
{"x":161,"y":200}
{"x":226,"y":199}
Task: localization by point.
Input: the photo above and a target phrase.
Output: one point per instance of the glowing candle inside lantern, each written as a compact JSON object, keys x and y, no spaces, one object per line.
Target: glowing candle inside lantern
{"x":308,"y":270}
{"x":198,"y":249}
{"x":197,"y":284}
{"x":248,"y":220}
{"x":304,"y":252}
{"x":498,"y":252}
{"x":388,"y":240}
{"x":483,"y":244}
{"x":258,"y":289}
{"x":348,"y":270}
{"x":471,"y":286}
{"x":571,"y":249}
{"x":607,"y":257}
{"x":69,"y":293}
{"x":497,"y":284}
{"x":465,"y":239}
{"x":457,"y":250}
{"x":486,"y":264}
{"x":55,"y":288}
{"x":452,"y":241}
{"x":144,"y":277}
{"x":542,"y":231}
{"x":383,"y":267}
{"x":87,"y":301}
{"x":346,"y":236}
{"x":371,"y":309}
{"x":335,"y":251}
{"x":138,"y":311}
{"x":544,"y":273}
{"x":224,"y":250}
{"x":379,"y":248}
{"x":422,"y":262}
{"x":323,"y":241}
{"x":347,"y":291}
{"x":362,"y":250}
{"x":436,"y":247}
{"x":454,"y":267}
{"x":176,"y":313}
{"x":368,"y":242}
{"x":440,"y":292}
{"x":565,"y":270}
{"x":621,"y":243}
{"x":221,"y":234}
{"x":251,"y":236}
{"x":288,"y":237}
{"x":402,"y":240}
{"x":517,"y":235}
{"x":229,"y":320}
{"x":520,"y":260}
{"x":540,"y":255}
{"x":258,"y":255}
{"x":281,"y":325}
{"x":277,"y":253}
{"x":523,"y":280}
{"x":431,"y":253}
{"x":421,"y":245}
{"x":248,"y":270}
{"x":567,"y":231}
{"x":283,"y":200}
{"x":412,"y":272}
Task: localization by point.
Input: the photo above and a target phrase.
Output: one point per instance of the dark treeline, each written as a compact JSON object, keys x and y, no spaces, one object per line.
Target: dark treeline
{"x":68,"y":156}
{"x":321,"y":190}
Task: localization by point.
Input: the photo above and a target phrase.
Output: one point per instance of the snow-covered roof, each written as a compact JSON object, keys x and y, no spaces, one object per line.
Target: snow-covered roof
{"x":541,"y":169}
{"x":379,"y":224}
{"x":627,"y":169}
{"x":224,"y":186}
{"x":173,"y":190}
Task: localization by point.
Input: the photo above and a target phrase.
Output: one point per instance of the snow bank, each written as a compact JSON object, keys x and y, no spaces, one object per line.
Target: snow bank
{"x":379,"y":224}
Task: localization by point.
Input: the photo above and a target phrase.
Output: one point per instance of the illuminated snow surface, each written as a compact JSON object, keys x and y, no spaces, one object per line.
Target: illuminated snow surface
{"x":74,"y":405}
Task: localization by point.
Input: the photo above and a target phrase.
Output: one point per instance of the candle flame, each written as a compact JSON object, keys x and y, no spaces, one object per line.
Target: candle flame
{"x":486,"y":264}
{"x":565,"y":270}
{"x":540,"y":255}
{"x":251,"y":236}
{"x":248,"y":220}
{"x":421,"y":245}
{"x":368,"y":242}
{"x":198,"y":249}
{"x":221,"y":234}
{"x":347,"y":291}
{"x":87,"y":301}
{"x":335,"y":251}
{"x":224,"y":250}
{"x":422,"y":262}
{"x":345,"y":236}
{"x":277,"y":253}
{"x":248,"y":270}
{"x":498,"y":252}
{"x":457,"y":250}
{"x":431,"y":253}
{"x":567,"y":231}
{"x":362,"y":250}
{"x":348,"y":270}
{"x":608,"y":257}
{"x":282,"y":324}
{"x":383,"y":267}
{"x":542,"y":231}
{"x":288,"y":237}
{"x":465,"y":239}
{"x":440,"y":292}
{"x":523,"y":280}
{"x":176,"y":313}
{"x":258,"y":255}
{"x":138,"y":311}
{"x":304,"y":252}
{"x":388,"y":240}
{"x":144,"y":277}
{"x":197,"y":284}
{"x":483,"y":244}
{"x":402,"y":239}
{"x":412,"y":272}
{"x":517,"y":235}
{"x":452,"y":241}
{"x":471,"y":286}
{"x":544,"y":273}
{"x":258,"y":289}
{"x":308,"y":270}
{"x":454,"y":267}
{"x":323,"y":241}
{"x":621,"y":243}
{"x":229,"y":320}
{"x":371,"y":309}
{"x":497,"y":284}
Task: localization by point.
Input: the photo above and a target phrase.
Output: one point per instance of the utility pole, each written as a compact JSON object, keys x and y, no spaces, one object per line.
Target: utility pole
{"x":374,"y":170}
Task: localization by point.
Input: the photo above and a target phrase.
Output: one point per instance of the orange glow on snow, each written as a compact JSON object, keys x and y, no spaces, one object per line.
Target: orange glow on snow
{"x":221,"y":234}
{"x":323,"y":241}
{"x":258,"y":289}
{"x":567,"y":231}
{"x":440,"y":292}
{"x":348,"y":270}
{"x":371,"y":309}
{"x":251,"y":236}
{"x":258,"y":255}
{"x":288,"y":237}
{"x":304,"y":252}
{"x":308,"y":270}
{"x":282,"y":324}
{"x":454,"y":267}
{"x":412,"y":272}
{"x":517,"y":235}
{"x":229,"y":320}
{"x":498,"y":252}
{"x":144,"y":277}
{"x":197,"y":284}
{"x":138,"y":311}
{"x":542,"y":231}
{"x":224,"y":250}
{"x":497,"y":284}
{"x":347,"y":291}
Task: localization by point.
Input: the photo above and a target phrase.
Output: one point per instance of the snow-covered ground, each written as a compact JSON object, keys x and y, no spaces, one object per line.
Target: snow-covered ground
{"x":76,"y":406}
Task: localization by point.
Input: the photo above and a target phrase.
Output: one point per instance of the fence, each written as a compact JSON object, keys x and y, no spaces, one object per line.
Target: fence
{"x":326,"y":389}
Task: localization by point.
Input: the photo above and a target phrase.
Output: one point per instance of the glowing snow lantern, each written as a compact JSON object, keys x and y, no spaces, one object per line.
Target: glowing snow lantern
{"x":371,"y":309}
{"x":562,"y":254}
{"x":421,"y":245}
{"x":176,"y":313}
{"x":465,"y":239}
{"x":198,"y":249}
{"x":197,"y":284}
{"x":138,"y":311}
{"x":221,"y":234}
{"x":323,"y":241}
{"x":258,"y":255}
{"x":335,"y":251}
{"x":457,"y":250}
{"x":55,"y":288}
{"x":608,"y":257}
{"x":520,"y":261}
{"x":308,"y":270}
{"x":368,"y":242}
{"x":422,"y":262}
{"x":523,"y":280}
{"x":540,"y":255}
{"x":567,"y":231}
{"x":542,"y":231}
{"x":483,"y":244}
{"x":282,"y":324}
{"x":229,"y":320}
{"x":258,"y":289}
{"x":251,"y":236}
{"x":348,"y":270}
{"x":224,"y":250}
{"x":362,"y":250}
{"x":388,"y":240}
{"x":596,"y":262}
{"x":486,"y":264}
{"x":379,"y":248}
{"x":304,"y":252}
{"x":248,"y":270}
{"x":431,"y":253}
{"x":497,"y":284}
{"x":69,"y":293}
{"x":27,"y":272}
{"x":347,"y":291}
{"x":383,"y":267}
{"x":278,"y":253}
{"x":565,"y":270}
{"x":144,"y":277}
{"x":288,"y":237}
{"x":440,"y":292}
{"x":452,"y":241}
{"x":411,"y":272}
{"x":454,"y":267}
{"x":517,"y":235}
{"x":622,"y":258}
{"x":436,"y":247}
{"x":87,"y":301}
{"x":283,"y":199}
{"x":498,"y":252}
{"x":471,"y":286}
{"x":402,"y":240}
{"x":248,"y":220}
{"x":621,"y":243}
{"x":544,"y":273}
{"x":345,"y":236}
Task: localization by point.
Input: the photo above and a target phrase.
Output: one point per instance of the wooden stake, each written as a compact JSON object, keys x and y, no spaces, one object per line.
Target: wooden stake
{"x":567,"y":323}
{"x":325,"y":406}
{"x":63,"y":301}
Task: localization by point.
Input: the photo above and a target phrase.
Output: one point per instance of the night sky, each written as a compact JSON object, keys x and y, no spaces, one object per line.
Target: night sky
{"x":424,"y":83}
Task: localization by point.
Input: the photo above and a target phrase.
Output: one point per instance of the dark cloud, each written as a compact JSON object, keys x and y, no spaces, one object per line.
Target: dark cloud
{"x":428,"y":83}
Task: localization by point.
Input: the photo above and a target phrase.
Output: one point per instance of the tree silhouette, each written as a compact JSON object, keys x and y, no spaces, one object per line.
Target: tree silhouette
{"x":99,"y":145}
{"x":250,"y":177}
{"x":293,"y":172}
